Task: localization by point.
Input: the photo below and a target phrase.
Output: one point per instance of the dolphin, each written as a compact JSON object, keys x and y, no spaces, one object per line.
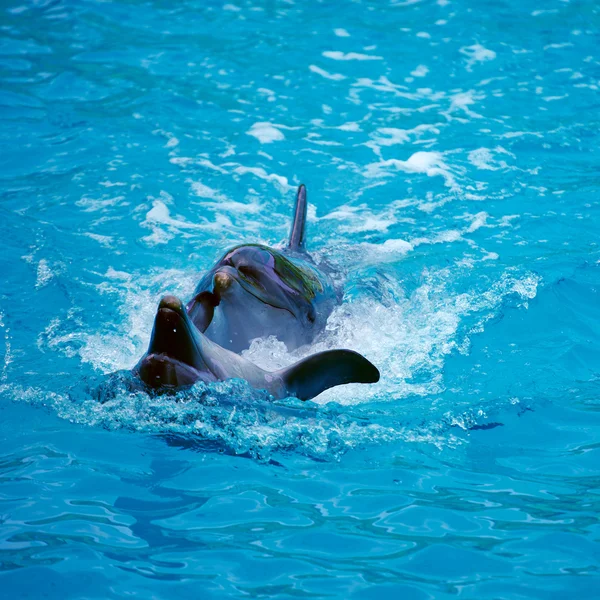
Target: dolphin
{"x":255,"y":291}
{"x":180,"y":355}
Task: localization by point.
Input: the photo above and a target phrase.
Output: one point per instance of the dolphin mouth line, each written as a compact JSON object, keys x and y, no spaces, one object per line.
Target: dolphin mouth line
{"x":249,"y":289}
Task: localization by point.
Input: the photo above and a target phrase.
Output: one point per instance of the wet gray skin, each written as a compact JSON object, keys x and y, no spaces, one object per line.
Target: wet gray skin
{"x":255,"y":291}
{"x":180,"y":355}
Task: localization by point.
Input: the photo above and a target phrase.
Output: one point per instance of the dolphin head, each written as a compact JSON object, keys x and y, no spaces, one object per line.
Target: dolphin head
{"x":174,"y":357}
{"x":271,"y":278}
{"x":258,"y":292}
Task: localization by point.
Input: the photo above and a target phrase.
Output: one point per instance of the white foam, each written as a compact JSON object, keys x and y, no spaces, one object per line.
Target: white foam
{"x":443,"y":237}
{"x":337,"y":55}
{"x":341,"y":32}
{"x":383,"y":84}
{"x":355,"y":219}
{"x":183,"y":161}
{"x":265,"y":133}
{"x":109,"y":184}
{"x":114,"y":347}
{"x":554,"y":98}
{"x":203,"y":191}
{"x":558,"y":46}
{"x":420,"y":71}
{"x":461,"y":102}
{"x":391,"y":136}
{"x":349,"y":126}
{"x":259,"y":172}
{"x":484,"y":158}
{"x":477,"y":54}
{"x":104,"y":240}
{"x":513,"y":134}
{"x":158,"y":215}
{"x":479,"y":220}
{"x":491,"y":256}
{"x":218,"y":202}
{"x":99,"y":204}
{"x":326,"y":74}
{"x":229,"y":168}
{"x":390,"y":251}
{"x":315,"y":138}
{"x":165,"y":227}
{"x":44,"y":274}
{"x":429,"y":163}
{"x":205,"y":162}
{"x":8,"y":357}
{"x":404,"y":3}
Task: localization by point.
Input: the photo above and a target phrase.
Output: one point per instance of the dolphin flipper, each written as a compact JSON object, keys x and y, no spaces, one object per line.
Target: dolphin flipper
{"x":201,"y":309}
{"x":317,"y":373}
{"x":297,"y":232}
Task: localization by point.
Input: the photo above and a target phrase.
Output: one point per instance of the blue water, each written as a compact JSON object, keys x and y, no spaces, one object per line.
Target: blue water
{"x":451,"y":153}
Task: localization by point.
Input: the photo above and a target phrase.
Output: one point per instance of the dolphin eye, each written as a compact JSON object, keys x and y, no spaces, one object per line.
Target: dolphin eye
{"x":251,"y":276}
{"x":247,"y":271}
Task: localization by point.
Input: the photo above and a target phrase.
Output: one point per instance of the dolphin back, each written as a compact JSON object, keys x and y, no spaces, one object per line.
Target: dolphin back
{"x":319,"y":372}
{"x":298,"y":224}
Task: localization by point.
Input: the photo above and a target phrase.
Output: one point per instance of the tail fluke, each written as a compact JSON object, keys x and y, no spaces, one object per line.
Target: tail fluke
{"x":317,"y":373}
{"x":297,"y":232}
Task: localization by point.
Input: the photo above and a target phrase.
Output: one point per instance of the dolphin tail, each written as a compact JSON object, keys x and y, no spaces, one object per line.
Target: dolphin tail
{"x":317,"y":373}
{"x":298,"y":225}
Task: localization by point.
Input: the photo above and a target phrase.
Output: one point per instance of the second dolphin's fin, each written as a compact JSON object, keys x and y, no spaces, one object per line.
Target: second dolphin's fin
{"x":317,"y":373}
{"x":298,"y":224}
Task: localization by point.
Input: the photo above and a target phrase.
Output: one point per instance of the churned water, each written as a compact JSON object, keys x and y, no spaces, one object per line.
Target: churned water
{"x":451,"y":154}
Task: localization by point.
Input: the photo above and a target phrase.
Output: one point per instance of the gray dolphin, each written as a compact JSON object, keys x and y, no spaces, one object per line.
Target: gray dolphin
{"x":180,"y":355}
{"x":255,"y":291}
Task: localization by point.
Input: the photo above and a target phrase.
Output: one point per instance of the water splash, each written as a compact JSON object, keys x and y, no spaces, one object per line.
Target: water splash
{"x":407,"y":329}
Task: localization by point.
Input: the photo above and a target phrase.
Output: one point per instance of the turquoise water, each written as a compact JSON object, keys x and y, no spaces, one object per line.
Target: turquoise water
{"x":451,"y":153}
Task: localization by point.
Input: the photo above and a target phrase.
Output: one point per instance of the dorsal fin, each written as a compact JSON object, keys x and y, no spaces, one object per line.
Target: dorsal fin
{"x":297,"y":232}
{"x":317,"y":373}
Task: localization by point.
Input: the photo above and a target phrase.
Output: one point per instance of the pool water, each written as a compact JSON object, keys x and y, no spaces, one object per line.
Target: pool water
{"x":450,"y":151}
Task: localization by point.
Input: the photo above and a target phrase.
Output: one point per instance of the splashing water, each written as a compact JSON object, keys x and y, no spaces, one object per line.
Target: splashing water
{"x":450,"y":156}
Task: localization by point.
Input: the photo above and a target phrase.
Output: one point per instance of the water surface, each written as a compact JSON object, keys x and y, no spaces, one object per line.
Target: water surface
{"x":450,"y":151}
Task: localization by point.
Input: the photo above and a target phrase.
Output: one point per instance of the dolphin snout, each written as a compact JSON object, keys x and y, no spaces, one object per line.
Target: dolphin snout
{"x":221,"y":282}
{"x":172,"y":303}
{"x":173,"y":335}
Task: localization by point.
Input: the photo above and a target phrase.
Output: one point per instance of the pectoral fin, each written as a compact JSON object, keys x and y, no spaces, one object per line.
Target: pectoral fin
{"x":201,"y":309}
{"x":317,"y":373}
